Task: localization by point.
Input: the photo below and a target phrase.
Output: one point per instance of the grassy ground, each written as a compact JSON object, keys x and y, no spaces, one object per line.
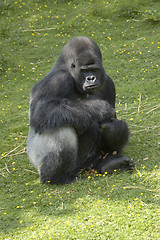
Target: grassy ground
{"x":119,"y":206}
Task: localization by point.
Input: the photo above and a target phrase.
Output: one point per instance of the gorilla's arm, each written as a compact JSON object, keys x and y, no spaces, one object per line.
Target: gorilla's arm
{"x":65,"y":112}
{"x":57,"y":108}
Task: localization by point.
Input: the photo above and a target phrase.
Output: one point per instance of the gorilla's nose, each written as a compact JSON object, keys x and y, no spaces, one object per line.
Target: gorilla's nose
{"x":91,"y":78}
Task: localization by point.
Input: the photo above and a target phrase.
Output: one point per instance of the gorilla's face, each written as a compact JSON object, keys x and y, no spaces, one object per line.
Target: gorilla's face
{"x":84,"y":61}
{"x":87,"y":72}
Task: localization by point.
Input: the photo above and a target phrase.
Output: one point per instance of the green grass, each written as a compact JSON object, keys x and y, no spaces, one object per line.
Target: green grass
{"x":118,"y":206}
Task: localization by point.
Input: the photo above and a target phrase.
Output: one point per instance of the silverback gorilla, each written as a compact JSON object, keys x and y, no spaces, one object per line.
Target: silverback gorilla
{"x":73,"y":124}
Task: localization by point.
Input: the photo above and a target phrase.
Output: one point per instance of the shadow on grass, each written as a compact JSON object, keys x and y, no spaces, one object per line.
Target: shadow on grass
{"x":26,"y":200}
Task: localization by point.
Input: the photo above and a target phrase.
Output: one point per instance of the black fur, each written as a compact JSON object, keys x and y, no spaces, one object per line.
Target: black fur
{"x":77,"y":98}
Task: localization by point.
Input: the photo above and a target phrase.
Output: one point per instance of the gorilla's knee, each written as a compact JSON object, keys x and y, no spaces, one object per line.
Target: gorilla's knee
{"x":54,"y":154}
{"x":115,"y":134}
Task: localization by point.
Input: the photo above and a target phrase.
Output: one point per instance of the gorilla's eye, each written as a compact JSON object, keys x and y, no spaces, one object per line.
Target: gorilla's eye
{"x":73,"y":65}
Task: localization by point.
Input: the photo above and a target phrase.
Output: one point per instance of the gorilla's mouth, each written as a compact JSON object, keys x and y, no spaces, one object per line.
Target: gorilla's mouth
{"x":91,"y":87}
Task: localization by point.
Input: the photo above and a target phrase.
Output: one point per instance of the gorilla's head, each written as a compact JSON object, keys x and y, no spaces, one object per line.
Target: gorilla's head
{"x":83,"y":59}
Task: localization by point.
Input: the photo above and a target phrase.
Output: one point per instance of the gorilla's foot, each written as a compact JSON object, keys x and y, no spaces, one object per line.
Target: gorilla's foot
{"x":61,"y":179}
{"x":116,"y":163}
{"x":49,"y":174}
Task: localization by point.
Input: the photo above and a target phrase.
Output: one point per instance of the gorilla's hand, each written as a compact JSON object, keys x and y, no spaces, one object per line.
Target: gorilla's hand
{"x":108,"y":124}
{"x":100,"y":110}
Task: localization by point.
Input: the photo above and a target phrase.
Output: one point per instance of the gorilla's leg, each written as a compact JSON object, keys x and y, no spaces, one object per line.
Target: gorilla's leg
{"x":115,"y":136}
{"x":89,"y":145}
{"x":54,"y":154}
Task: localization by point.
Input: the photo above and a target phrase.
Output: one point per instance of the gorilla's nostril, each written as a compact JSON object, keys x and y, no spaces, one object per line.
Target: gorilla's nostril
{"x":91,"y":78}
